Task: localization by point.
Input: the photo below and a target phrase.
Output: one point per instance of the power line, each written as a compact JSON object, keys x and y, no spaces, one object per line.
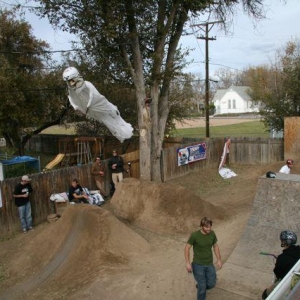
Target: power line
{"x":18,"y":5}
{"x":14,"y":69}
{"x":33,"y":90}
{"x":39,"y":51}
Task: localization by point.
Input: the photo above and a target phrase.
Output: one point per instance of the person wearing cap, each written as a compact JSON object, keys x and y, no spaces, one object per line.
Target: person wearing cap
{"x":21,"y":194}
{"x":116,"y":165}
{"x":98,"y":172}
{"x":286,"y":169}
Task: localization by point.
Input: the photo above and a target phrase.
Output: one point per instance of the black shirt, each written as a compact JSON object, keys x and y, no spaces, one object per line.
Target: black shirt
{"x":118,"y":160}
{"x":77,"y":190}
{"x":22,"y":189}
{"x":286,"y":260}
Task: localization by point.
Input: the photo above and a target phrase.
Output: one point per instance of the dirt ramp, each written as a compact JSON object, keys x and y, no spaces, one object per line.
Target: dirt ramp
{"x":161,"y":207}
{"x":89,"y":242}
{"x":276,"y":207}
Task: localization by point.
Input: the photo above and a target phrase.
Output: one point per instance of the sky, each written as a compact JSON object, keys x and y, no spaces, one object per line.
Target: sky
{"x":247,"y":44}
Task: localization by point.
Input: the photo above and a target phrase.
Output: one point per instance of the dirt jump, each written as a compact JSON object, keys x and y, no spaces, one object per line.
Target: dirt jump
{"x":132,"y":247}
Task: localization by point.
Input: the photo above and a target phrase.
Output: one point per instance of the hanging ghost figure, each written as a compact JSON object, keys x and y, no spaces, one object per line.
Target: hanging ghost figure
{"x":84,"y":97}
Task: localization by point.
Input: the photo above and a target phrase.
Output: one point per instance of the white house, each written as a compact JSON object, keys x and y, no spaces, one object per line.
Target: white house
{"x":234,"y":100}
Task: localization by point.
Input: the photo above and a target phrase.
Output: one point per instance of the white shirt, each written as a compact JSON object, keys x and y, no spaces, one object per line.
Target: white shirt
{"x":285,"y":170}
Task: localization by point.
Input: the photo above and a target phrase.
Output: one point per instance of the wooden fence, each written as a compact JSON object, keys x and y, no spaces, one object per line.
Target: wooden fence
{"x":256,"y":150}
{"x":43,"y":184}
{"x":242,"y":151}
{"x":170,"y":167}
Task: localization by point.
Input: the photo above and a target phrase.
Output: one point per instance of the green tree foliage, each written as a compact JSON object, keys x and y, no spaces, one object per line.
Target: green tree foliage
{"x":138,"y":42}
{"x":277,"y":87}
{"x":31,"y":96}
{"x":183,"y":99}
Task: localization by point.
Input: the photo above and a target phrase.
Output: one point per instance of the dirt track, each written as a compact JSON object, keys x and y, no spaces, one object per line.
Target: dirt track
{"x":91,"y":254}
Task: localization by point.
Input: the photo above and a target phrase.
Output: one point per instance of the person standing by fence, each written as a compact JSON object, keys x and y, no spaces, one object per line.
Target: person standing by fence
{"x":21,"y":194}
{"x":116,"y":165}
{"x":98,"y":172}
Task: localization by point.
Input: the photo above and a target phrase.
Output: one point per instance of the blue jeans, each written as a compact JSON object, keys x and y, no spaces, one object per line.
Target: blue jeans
{"x":25,"y":215}
{"x":206,"y":279}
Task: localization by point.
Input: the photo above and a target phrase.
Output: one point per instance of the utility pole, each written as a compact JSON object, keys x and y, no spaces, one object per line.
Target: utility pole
{"x":208,"y":26}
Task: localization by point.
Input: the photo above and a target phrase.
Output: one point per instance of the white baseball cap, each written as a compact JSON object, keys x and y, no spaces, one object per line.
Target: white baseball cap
{"x":25,"y":178}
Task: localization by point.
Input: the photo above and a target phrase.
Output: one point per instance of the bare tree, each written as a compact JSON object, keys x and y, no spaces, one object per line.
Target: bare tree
{"x":138,"y":41}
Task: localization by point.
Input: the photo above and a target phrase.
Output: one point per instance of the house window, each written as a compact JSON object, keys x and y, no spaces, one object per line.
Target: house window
{"x":229,"y":104}
{"x":233,"y":104}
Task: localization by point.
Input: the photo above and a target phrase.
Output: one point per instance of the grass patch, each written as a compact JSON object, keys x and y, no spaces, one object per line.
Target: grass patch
{"x":203,"y":182}
{"x":205,"y":187}
{"x":247,"y":129}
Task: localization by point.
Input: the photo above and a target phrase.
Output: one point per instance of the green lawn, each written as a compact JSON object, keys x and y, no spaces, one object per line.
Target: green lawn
{"x":247,"y":129}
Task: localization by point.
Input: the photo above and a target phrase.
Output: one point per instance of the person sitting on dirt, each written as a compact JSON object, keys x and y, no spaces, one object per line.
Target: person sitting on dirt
{"x":286,"y":260}
{"x":76,"y":193}
{"x":202,"y":267}
{"x":286,"y":169}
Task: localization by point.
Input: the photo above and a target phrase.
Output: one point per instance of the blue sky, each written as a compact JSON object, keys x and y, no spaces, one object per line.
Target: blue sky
{"x":245,"y":46}
{"x":248,"y":44}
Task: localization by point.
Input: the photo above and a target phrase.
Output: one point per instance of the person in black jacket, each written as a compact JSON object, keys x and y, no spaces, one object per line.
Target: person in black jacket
{"x":116,"y":165}
{"x":286,"y":260}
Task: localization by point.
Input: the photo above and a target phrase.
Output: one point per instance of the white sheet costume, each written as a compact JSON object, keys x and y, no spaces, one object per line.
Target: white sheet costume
{"x":84,"y":97}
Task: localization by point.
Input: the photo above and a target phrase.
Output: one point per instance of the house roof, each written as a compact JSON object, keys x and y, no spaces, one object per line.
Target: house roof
{"x":240,"y":90}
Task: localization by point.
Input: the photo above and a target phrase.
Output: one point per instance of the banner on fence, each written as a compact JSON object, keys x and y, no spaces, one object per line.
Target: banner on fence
{"x":225,"y":172}
{"x":190,"y":154}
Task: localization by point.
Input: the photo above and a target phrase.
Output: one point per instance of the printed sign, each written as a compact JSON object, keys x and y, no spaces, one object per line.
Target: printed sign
{"x":190,"y":154}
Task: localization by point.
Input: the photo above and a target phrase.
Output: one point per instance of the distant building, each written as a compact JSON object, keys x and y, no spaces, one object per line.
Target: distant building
{"x":234,"y":100}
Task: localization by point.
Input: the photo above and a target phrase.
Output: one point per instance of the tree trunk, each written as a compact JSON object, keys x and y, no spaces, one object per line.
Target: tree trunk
{"x":158,"y":138}
{"x":145,"y":136}
{"x":145,"y":153}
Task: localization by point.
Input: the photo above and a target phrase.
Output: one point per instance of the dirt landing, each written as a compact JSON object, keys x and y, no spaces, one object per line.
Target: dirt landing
{"x":132,"y":248}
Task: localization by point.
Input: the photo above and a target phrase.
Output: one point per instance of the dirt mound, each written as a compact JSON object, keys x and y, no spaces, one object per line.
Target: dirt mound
{"x":90,"y":254}
{"x":161,"y":207}
{"x":74,"y":250}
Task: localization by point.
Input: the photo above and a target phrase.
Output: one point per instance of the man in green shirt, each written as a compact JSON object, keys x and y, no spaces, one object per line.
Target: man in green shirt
{"x":203,"y":269}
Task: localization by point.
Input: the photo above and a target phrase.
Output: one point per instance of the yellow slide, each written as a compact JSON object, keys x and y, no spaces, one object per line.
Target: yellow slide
{"x":54,"y":162}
